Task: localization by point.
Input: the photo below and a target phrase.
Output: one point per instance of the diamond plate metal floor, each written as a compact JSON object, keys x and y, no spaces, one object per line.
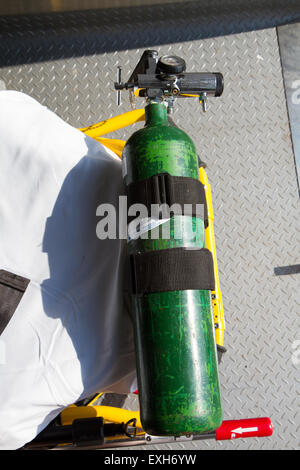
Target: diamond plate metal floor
{"x":245,"y":140}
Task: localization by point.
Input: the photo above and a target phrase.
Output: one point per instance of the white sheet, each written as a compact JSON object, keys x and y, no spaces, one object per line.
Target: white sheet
{"x":71,"y":335}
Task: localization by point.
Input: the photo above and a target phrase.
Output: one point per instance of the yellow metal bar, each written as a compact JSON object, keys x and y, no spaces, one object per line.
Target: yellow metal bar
{"x":113,"y":144}
{"x":217,"y":302}
{"x":94,"y":399}
{"x":108,"y":413}
{"x":114,"y":123}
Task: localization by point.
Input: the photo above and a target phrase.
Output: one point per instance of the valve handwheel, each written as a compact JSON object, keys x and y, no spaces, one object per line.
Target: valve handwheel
{"x":171,"y":64}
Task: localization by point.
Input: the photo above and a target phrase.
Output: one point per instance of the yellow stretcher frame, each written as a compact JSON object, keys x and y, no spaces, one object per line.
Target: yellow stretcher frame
{"x":97,"y":131}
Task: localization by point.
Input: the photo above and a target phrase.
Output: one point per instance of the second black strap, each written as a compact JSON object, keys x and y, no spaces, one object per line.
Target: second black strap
{"x":172,"y":269}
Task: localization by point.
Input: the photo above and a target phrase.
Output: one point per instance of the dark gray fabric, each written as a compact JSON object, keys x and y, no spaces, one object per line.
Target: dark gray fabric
{"x":12,"y":288}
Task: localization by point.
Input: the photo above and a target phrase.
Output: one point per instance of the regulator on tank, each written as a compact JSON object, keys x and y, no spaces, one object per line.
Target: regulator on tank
{"x":172,"y":271}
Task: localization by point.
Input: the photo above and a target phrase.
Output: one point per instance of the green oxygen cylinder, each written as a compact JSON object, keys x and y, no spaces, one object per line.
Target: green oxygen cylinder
{"x":175,"y":345}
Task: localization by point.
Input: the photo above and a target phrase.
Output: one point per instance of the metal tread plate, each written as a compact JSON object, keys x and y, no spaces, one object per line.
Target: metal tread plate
{"x":30,"y":38}
{"x":244,"y":138}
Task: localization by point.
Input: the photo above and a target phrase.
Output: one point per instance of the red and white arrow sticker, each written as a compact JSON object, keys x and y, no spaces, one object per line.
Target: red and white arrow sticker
{"x":255,"y":427}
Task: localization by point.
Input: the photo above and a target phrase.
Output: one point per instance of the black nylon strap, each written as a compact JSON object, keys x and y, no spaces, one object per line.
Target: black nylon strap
{"x":12,"y":288}
{"x":172,"y":269}
{"x":166,"y":189}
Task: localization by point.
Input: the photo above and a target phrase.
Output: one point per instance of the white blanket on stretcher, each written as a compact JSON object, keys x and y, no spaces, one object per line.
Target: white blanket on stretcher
{"x":71,"y":335}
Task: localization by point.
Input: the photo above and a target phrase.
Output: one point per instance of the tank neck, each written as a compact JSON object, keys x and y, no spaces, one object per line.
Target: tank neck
{"x":155,"y":113}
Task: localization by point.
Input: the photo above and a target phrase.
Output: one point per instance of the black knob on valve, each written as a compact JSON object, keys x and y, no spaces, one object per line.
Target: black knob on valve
{"x":171,"y":64}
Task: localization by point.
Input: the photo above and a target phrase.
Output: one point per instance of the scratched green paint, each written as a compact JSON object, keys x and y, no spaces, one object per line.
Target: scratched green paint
{"x":175,"y":346}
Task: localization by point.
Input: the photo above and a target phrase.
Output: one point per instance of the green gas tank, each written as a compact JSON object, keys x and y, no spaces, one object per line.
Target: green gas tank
{"x":175,"y":345}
